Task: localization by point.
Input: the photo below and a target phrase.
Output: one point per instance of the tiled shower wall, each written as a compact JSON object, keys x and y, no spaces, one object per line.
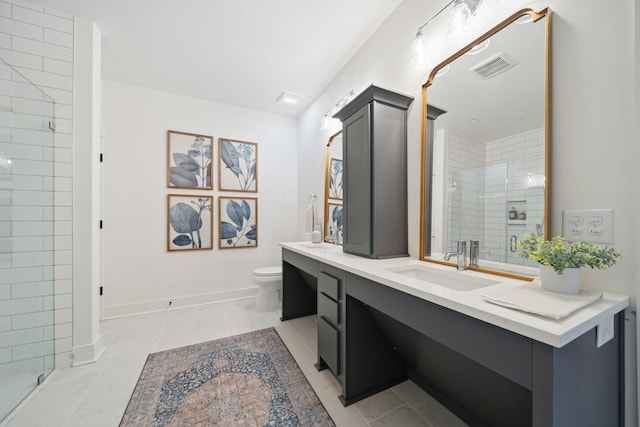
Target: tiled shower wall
{"x":524,"y":154}
{"x":465,"y":180}
{"x":478,"y":194}
{"x":38,"y":42}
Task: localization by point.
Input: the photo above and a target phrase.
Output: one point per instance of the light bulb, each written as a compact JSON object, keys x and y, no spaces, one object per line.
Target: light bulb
{"x":418,"y":50}
{"x":460,"y":18}
{"x":324,"y":126}
{"x":460,"y":14}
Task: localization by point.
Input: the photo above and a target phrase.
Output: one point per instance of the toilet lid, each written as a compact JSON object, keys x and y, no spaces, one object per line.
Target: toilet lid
{"x":268,"y":271}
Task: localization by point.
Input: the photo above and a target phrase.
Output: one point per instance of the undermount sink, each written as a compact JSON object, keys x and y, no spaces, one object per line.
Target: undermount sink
{"x":455,"y":280}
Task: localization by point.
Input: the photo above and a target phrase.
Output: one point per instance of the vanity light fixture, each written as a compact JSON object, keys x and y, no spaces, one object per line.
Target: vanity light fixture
{"x":419,"y":57}
{"x":328,"y":116}
{"x":288,"y":98}
{"x":461,"y":12}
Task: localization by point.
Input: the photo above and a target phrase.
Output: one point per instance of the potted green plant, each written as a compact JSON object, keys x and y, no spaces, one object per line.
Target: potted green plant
{"x":561,"y":260}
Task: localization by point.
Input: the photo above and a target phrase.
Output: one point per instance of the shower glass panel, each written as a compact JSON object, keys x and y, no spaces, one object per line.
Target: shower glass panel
{"x":26,"y":237}
{"x":476,"y":198}
{"x":495,"y":205}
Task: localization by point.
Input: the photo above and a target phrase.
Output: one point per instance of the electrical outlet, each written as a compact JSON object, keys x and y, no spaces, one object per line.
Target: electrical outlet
{"x":604,"y":332}
{"x":588,"y":225}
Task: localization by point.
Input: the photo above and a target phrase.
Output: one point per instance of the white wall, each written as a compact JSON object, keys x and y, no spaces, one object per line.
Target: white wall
{"x":592,"y":123}
{"x":139,"y":274}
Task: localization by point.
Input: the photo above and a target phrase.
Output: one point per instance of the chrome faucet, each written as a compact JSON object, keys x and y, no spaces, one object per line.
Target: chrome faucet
{"x":474,"y":253}
{"x":461,"y":255}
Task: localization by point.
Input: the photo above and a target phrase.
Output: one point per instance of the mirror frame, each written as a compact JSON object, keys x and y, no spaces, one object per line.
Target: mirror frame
{"x":426,"y":155}
{"x":327,"y":173}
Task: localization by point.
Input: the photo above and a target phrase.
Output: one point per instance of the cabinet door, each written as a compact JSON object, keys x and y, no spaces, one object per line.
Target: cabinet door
{"x":329,"y":345}
{"x":356,"y":147}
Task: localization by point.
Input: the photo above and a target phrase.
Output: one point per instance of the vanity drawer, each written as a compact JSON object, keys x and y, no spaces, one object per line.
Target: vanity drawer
{"x":328,"y":309}
{"x":329,"y":285}
{"x":329,"y":345}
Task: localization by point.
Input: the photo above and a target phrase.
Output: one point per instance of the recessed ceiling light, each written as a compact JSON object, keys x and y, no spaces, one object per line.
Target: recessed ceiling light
{"x":288,"y":98}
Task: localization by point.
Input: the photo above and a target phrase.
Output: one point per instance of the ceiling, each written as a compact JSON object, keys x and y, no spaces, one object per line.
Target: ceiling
{"x":243,"y":52}
{"x":506,"y":104}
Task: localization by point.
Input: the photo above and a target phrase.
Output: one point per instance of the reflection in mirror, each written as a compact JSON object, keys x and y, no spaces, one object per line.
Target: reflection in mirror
{"x":485,"y":158}
{"x":333,"y":190}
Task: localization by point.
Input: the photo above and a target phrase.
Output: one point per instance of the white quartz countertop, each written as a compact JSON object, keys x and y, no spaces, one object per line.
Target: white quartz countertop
{"x":556,"y":333}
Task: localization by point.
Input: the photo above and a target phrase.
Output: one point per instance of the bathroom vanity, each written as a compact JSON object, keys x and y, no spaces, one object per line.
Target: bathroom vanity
{"x":383,"y":321}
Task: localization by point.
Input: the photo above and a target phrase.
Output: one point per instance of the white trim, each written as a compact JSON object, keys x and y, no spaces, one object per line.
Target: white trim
{"x":89,"y":353}
{"x":123,"y":310}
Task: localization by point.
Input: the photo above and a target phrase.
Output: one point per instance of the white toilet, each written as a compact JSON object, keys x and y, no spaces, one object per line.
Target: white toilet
{"x":269,"y":282}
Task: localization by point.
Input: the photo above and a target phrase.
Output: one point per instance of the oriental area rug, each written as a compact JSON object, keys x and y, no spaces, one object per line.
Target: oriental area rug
{"x":244,"y":380}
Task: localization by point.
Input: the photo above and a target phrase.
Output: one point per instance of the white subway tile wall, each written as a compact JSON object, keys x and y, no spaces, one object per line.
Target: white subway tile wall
{"x":484,"y":180}
{"x":36,"y":193}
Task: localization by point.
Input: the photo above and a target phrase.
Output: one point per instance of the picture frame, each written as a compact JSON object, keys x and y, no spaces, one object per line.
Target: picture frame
{"x":334,"y":219}
{"x":335,"y":179}
{"x":189,"y":160}
{"x":237,"y":222}
{"x":189,"y":222}
{"x":237,"y":165}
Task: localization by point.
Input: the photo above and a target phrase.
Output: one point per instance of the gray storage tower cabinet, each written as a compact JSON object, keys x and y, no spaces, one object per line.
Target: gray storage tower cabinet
{"x":375,"y":173}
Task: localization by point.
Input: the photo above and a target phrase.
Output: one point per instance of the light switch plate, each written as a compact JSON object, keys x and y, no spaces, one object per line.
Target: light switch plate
{"x":588,"y":225}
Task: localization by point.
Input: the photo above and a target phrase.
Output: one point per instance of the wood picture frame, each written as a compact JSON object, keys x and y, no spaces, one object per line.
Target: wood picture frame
{"x":237,"y":165}
{"x":189,"y":222}
{"x":237,"y":222}
{"x":189,"y":160}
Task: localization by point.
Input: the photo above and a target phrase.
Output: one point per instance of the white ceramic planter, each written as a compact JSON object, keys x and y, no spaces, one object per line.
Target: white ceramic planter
{"x":567,"y":283}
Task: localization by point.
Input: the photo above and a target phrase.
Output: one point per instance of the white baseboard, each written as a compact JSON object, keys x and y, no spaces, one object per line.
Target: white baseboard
{"x":89,"y":353}
{"x":123,"y":310}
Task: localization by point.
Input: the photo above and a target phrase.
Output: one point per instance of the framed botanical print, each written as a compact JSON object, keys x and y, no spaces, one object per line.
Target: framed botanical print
{"x":335,"y":179}
{"x":189,"y":160}
{"x":334,"y":221}
{"x":238,"y":166}
{"x":189,"y":222}
{"x":238,"y":222}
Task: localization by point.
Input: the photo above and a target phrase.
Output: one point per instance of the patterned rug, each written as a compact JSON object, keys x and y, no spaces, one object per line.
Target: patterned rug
{"x":244,"y":380}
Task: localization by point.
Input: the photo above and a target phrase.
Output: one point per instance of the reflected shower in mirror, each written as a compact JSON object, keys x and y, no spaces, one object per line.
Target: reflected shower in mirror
{"x":485,"y":159}
{"x":333,"y":225}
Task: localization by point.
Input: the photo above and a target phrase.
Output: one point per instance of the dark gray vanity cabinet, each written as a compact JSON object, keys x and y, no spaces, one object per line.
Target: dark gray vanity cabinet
{"x":373,"y":336}
{"x":375,"y":173}
{"x":329,"y":321}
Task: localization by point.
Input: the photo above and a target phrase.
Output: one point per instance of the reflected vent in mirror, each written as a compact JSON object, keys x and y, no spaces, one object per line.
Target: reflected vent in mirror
{"x":494,"y":65}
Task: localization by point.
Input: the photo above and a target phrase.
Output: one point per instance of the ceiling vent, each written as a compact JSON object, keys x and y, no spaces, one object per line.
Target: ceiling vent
{"x":494,"y":65}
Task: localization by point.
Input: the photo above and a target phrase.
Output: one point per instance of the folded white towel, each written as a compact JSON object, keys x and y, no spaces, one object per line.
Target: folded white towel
{"x":533,"y":299}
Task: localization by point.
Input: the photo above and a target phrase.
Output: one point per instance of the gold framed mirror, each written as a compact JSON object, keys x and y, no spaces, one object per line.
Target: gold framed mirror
{"x":333,"y":196}
{"x":485,"y":146}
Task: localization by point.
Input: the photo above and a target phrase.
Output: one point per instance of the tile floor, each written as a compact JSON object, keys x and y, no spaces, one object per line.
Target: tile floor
{"x":97,"y":394}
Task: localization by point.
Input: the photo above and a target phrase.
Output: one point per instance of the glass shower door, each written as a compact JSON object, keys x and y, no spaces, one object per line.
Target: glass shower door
{"x":26,"y":237}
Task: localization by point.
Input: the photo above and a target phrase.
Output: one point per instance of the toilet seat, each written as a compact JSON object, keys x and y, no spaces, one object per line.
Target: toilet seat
{"x":268,"y":271}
